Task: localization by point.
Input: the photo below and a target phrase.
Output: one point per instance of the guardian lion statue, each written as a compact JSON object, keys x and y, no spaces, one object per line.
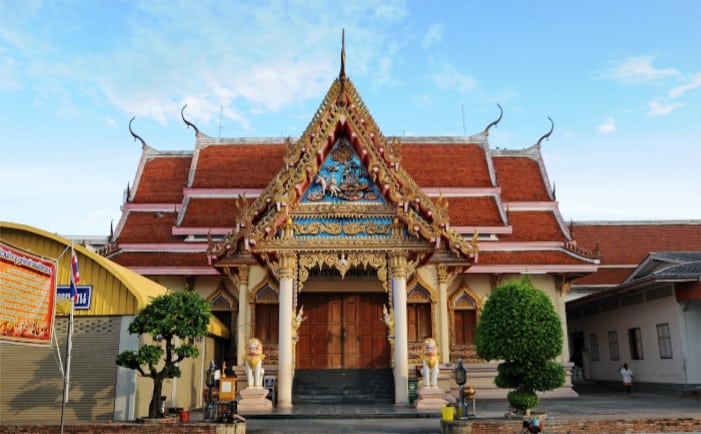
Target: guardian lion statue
{"x":254,"y":364}
{"x":429,"y":357}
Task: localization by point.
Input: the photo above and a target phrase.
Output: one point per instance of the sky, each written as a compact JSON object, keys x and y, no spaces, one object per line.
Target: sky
{"x":621,"y":81}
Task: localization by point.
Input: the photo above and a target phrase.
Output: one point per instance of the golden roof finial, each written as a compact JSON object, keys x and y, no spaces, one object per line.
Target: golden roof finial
{"x":342,"y":74}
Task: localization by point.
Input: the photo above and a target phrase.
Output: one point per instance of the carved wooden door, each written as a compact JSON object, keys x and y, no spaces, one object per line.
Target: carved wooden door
{"x":342,"y":331}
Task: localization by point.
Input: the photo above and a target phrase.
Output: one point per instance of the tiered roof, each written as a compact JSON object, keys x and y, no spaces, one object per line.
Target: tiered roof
{"x":444,"y":190}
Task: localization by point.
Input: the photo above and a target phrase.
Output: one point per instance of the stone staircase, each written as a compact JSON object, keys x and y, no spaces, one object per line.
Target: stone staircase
{"x":343,"y":386}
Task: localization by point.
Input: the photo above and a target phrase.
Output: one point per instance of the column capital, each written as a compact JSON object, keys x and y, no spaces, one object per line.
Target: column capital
{"x":237,"y":276}
{"x":243,"y":274}
{"x":287,"y":264}
{"x":398,"y":264}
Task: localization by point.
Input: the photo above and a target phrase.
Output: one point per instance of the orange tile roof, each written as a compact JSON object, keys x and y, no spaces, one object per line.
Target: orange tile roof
{"x":238,"y":166}
{"x":622,"y":243}
{"x":526,"y":257}
{"x":534,"y":226}
{"x":210,"y":212}
{"x":605,"y":276}
{"x":162,"y":259}
{"x":162,"y":180}
{"x":148,"y":227}
{"x":520,"y":179}
{"x":474,"y":211}
{"x":446,"y":165}
{"x":241,"y":166}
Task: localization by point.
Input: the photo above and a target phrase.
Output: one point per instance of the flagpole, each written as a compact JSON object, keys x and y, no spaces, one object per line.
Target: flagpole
{"x":69,"y":340}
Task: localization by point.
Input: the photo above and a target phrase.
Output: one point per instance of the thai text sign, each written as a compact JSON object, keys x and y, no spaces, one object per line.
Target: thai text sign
{"x":82,"y":301}
{"x":27,"y":296}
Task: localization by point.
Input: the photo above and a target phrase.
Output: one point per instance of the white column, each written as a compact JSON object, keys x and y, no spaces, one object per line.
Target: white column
{"x":285,"y":354}
{"x":398,"y":268}
{"x":443,"y":329}
{"x":242,"y":319}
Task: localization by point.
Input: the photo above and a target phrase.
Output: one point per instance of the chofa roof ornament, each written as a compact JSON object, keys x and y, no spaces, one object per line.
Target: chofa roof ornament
{"x":494,"y":124}
{"x":547,"y":135}
{"x":188,"y":123}
{"x":136,"y":136}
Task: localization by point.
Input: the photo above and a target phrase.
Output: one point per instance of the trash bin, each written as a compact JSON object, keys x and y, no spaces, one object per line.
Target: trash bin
{"x":413,"y":389}
{"x":448,"y":413}
{"x":163,"y":405}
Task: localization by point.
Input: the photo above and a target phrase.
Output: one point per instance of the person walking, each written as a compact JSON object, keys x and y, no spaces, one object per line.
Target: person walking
{"x":627,"y":376}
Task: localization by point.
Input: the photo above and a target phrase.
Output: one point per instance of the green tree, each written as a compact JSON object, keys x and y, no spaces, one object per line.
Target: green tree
{"x":520,"y":327}
{"x":183,"y":315}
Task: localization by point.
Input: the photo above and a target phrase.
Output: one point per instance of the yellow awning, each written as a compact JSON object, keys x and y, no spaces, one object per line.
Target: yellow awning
{"x":217,"y":328}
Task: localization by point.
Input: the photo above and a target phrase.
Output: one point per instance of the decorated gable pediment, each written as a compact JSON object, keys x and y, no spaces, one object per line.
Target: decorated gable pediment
{"x":343,"y":186}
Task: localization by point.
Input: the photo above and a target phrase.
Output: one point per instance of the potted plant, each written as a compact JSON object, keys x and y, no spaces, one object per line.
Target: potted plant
{"x":519,"y":326}
{"x":183,"y":315}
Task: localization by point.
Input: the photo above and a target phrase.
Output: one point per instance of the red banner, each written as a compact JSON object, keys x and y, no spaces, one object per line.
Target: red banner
{"x":27,"y":296}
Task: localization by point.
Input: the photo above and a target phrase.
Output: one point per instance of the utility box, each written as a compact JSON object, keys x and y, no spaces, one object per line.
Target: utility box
{"x":227,"y":388}
{"x":413,"y":389}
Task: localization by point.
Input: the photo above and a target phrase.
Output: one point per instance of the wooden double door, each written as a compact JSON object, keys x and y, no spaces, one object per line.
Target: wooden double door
{"x":342,"y":330}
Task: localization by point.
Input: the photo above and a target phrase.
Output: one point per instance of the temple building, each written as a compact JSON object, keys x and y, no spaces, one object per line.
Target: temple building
{"x":346,"y":249}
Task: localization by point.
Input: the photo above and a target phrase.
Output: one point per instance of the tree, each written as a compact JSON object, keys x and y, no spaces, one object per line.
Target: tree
{"x":520,"y":326}
{"x":183,"y":315}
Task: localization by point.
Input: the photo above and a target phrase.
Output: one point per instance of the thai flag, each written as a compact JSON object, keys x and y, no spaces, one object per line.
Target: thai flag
{"x":75,"y":276}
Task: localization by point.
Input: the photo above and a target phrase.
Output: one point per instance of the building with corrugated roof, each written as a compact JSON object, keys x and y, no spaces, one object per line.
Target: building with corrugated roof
{"x":642,"y":307}
{"x":110,"y":295}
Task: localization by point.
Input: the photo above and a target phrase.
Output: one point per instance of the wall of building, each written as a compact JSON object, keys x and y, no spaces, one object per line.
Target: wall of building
{"x":690,"y":327}
{"x":179,"y":392}
{"x":32,"y":383}
{"x":644,"y":315}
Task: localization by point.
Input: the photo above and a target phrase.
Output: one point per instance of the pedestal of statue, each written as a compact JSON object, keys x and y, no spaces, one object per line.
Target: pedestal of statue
{"x":254,"y":399}
{"x":430,"y":398}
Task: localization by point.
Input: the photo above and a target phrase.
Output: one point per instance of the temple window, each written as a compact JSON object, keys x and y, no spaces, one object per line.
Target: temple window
{"x":418,"y":315}
{"x":266,"y":316}
{"x":464,"y":314}
{"x":465,"y":323}
{"x":267,"y":323}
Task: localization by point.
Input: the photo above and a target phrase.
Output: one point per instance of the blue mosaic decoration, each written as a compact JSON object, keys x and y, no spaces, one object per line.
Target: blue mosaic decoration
{"x":342,"y":178}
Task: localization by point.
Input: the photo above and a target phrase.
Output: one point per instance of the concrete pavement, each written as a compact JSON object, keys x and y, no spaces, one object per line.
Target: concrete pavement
{"x":592,"y":403}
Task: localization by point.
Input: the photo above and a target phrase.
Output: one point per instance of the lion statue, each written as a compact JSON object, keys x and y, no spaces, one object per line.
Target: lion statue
{"x":429,"y":358}
{"x":254,"y":364}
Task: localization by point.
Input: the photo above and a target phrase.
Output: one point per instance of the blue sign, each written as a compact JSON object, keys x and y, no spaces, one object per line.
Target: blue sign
{"x":84,"y":295}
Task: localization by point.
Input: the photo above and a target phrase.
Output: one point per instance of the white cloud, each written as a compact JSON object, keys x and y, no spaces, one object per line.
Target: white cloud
{"x":250,"y":59}
{"x":434,"y":34}
{"x":679,"y":91}
{"x":607,"y":126}
{"x":636,"y":70}
{"x":9,"y":72}
{"x":658,"y":107}
{"x":451,"y":78}
{"x":422,"y":99}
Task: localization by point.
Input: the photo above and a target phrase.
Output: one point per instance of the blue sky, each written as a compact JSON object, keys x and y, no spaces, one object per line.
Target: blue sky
{"x":620,"y":79}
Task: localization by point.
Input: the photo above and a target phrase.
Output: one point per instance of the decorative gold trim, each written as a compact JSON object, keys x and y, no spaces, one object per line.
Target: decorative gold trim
{"x":397,"y":261}
{"x":341,"y":115}
{"x":446,"y":275}
{"x":466,"y":290}
{"x":342,"y":262}
{"x":254,"y":291}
